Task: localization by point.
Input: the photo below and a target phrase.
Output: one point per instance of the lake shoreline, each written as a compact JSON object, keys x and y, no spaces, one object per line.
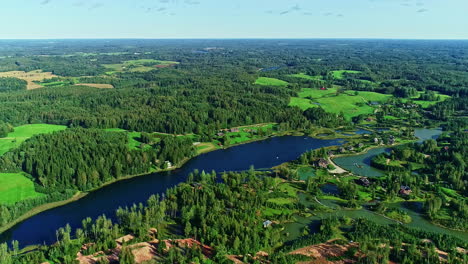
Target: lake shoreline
{"x":79,"y":195}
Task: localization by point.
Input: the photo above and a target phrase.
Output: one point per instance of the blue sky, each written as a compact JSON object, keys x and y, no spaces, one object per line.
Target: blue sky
{"x":433,"y":19}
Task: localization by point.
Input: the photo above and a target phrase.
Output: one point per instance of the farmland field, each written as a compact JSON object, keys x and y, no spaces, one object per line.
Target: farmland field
{"x":22,"y":133}
{"x":31,"y":77}
{"x":142,"y":65}
{"x":16,"y":187}
{"x":350,"y":105}
{"x":270,"y":81}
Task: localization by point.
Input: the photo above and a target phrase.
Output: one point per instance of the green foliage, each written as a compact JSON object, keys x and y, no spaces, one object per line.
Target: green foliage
{"x":270,"y":81}
{"x":12,"y":84}
{"x":18,"y":135}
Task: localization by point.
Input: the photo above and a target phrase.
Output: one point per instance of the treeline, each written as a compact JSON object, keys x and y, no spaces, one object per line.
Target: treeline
{"x":62,"y":163}
{"x":79,"y":159}
{"x":5,"y":128}
{"x":12,"y":84}
{"x":397,"y":243}
{"x":157,"y":102}
{"x":228,"y":217}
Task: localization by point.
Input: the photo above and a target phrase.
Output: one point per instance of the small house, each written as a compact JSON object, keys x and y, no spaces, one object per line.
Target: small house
{"x":360,"y":145}
{"x":364,"y":181}
{"x":323,"y":88}
{"x":233,"y":130}
{"x":322,"y":163}
{"x":267,"y":223}
{"x":220,"y":134}
{"x":376,"y":140}
{"x":342,"y":150}
{"x":405,"y":190}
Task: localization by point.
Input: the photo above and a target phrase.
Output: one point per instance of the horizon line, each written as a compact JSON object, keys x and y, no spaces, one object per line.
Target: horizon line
{"x":241,"y":38}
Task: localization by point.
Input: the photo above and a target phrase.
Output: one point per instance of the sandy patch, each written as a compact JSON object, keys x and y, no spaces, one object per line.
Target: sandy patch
{"x":321,"y":252}
{"x":338,"y":169}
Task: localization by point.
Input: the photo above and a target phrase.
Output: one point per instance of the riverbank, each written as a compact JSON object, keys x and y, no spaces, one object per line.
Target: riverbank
{"x":79,"y":195}
{"x":42,"y":208}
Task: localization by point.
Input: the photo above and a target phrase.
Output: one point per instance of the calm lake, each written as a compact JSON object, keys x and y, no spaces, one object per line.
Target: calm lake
{"x":41,"y":228}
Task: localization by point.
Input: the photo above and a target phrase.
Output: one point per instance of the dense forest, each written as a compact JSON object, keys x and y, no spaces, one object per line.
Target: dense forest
{"x":132,"y":107}
{"x":228,"y":217}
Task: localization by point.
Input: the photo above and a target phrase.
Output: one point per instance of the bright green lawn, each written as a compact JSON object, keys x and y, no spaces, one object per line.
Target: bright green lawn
{"x":340,"y":74}
{"x":316,"y":93}
{"x":270,"y":81}
{"x":426,"y":104}
{"x":15,"y":187}
{"x":335,"y":104}
{"x":243,"y":135}
{"x":22,"y":133}
{"x":307,"y":77}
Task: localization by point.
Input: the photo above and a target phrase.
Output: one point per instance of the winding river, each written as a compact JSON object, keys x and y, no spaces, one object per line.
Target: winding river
{"x":41,"y":228}
{"x":294,"y":229}
{"x":364,"y":160}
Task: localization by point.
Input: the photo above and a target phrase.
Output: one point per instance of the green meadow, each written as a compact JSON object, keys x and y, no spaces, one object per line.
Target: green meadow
{"x":16,"y":187}
{"x":348,"y":103}
{"x":270,"y":81}
{"x":133,"y":137}
{"x":426,"y":104}
{"x":22,"y":133}
{"x":245,"y":133}
{"x":341,"y":73}
{"x":307,"y":77}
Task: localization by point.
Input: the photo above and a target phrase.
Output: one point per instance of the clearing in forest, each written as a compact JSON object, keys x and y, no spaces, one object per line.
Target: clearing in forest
{"x":347,"y":102}
{"x":16,"y":187}
{"x":341,"y":73}
{"x":270,"y":81}
{"x":142,"y":65}
{"x":307,"y":77}
{"x":22,"y":133}
{"x":31,"y":77}
{"x":96,"y":85}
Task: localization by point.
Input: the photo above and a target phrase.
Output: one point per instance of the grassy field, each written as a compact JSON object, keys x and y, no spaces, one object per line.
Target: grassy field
{"x":348,"y":103}
{"x":142,"y":65}
{"x":316,"y":93}
{"x":307,"y":77}
{"x":270,"y":81}
{"x":133,"y":137}
{"x":245,"y":133}
{"x":31,"y":77}
{"x":22,"y":133}
{"x":302,"y":103}
{"x":340,"y":74}
{"x":15,"y":187}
